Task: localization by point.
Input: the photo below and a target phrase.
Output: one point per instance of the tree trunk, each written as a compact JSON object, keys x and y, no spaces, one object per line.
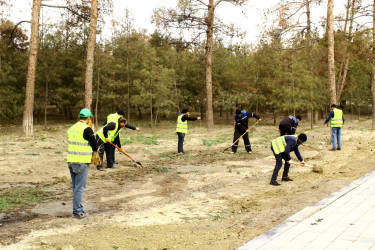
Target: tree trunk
{"x":27,"y":124}
{"x":345,"y":62}
{"x":152,"y":123}
{"x":90,"y":54}
{"x":97,"y":94}
{"x":373,"y":68}
{"x":209,"y":107}
{"x":128,"y":79}
{"x":331,"y":54}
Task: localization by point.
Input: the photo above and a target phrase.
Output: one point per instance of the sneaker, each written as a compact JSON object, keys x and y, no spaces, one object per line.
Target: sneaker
{"x":100,"y":168}
{"x":232,"y":152}
{"x":286,"y":179}
{"x":113,"y":167}
{"x":338,"y":148}
{"x":250,"y":152}
{"x":274,"y":183}
{"x":80,"y":215}
{"x":332,"y":149}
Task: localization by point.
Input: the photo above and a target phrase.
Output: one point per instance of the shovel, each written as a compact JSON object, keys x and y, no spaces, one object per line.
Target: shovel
{"x":119,"y":149}
{"x":247,"y":131}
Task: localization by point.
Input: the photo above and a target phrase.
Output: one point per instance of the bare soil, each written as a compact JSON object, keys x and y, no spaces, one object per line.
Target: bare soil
{"x":205,"y":199}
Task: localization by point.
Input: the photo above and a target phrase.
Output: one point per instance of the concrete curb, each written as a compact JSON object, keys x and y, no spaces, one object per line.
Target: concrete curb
{"x":303,"y":214}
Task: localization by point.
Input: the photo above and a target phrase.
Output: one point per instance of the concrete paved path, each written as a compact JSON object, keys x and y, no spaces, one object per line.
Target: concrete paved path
{"x":344,"y":220}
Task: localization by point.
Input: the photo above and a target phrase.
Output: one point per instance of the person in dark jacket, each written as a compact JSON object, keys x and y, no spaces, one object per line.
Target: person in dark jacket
{"x":281,"y":148}
{"x":111,"y":133}
{"x":288,"y":125}
{"x":242,"y":120}
{"x":182,"y":128}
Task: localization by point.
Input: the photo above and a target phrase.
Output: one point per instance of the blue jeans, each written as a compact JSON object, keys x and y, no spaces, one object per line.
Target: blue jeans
{"x":336,"y":135}
{"x":78,"y":172}
{"x":180,"y":146}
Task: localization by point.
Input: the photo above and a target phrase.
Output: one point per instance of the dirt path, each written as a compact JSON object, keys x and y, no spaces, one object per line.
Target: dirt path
{"x":202,"y":200}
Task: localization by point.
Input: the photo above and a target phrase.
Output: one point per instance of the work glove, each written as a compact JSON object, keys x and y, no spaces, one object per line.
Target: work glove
{"x":95,"y":159}
{"x":303,"y":163}
{"x":120,"y":149}
{"x":107,"y":140}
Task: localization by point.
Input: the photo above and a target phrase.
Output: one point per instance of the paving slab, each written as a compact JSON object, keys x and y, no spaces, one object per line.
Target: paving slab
{"x":344,"y":220}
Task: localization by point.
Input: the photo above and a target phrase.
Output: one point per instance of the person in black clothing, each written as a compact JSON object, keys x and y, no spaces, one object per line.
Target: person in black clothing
{"x":242,"y":120}
{"x":182,"y":128}
{"x":103,"y":141}
{"x":288,"y":125}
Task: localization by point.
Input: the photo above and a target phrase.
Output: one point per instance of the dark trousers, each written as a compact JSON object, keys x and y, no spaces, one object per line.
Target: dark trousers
{"x":284,"y":131}
{"x":279,"y":164}
{"x":245,"y":138}
{"x":109,"y":152}
{"x":180,"y":145}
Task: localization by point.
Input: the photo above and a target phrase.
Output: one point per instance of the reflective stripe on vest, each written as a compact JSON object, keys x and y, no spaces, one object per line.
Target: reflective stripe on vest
{"x":182,"y":127}
{"x":112,"y":134}
{"x":79,"y":149}
{"x":336,"y":120}
{"x":279,"y":144}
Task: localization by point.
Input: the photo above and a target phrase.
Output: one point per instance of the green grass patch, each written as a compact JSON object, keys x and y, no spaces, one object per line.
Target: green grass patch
{"x":21,"y":198}
{"x":126,"y":142}
{"x":217,"y":217}
{"x":58,"y":152}
{"x":153,"y":140}
{"x":218,"y":140}
{"x":162,"y":170}
{"x":165,"y":156}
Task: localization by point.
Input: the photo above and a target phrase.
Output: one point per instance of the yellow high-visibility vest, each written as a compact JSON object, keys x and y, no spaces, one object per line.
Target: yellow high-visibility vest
{"x":279,"y":144}
{"x":79,"y":149}
{"x":182,"y":127}
{"x":112,"y":134}
{"x":336,"y":120}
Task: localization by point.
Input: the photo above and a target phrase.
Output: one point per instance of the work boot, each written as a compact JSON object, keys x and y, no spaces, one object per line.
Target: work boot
{"x":100,"y":168}
{"x":338,"y":148}
{"x":80,"y":215}
{"x":274,"y":183}
{"x":113,"y":167}
{"x":286,"y":179}
{"x":332,"y":149}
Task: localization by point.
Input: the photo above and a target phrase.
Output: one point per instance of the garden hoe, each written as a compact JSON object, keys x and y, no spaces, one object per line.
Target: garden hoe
{"x":247,"y":131}
{"x":119,"y":149}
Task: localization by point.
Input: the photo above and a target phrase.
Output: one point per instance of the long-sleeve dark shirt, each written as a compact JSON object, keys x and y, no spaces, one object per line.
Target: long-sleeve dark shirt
{"x":289,"y":125}
{"x":112,"y":126}
{"x":188,"y":118}
{"x":242,"y":121}
{"x":292,"y":144}
{"x":88,"y":134}
{"x":331,"y":115}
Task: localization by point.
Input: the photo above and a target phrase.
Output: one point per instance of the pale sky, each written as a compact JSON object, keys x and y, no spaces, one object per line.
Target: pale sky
{"x":141,"y":11}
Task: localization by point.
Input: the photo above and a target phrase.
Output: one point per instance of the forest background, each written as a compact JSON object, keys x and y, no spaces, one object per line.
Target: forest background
{"x":154,"y":75}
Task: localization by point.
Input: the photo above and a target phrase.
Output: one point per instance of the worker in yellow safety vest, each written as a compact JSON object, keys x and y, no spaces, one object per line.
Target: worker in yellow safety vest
{"x":337,"y":121}
{"x":110,"y":133}
{"x":281,"y":148}
{"x":182,"y":128}
{"x":82,"y":145}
